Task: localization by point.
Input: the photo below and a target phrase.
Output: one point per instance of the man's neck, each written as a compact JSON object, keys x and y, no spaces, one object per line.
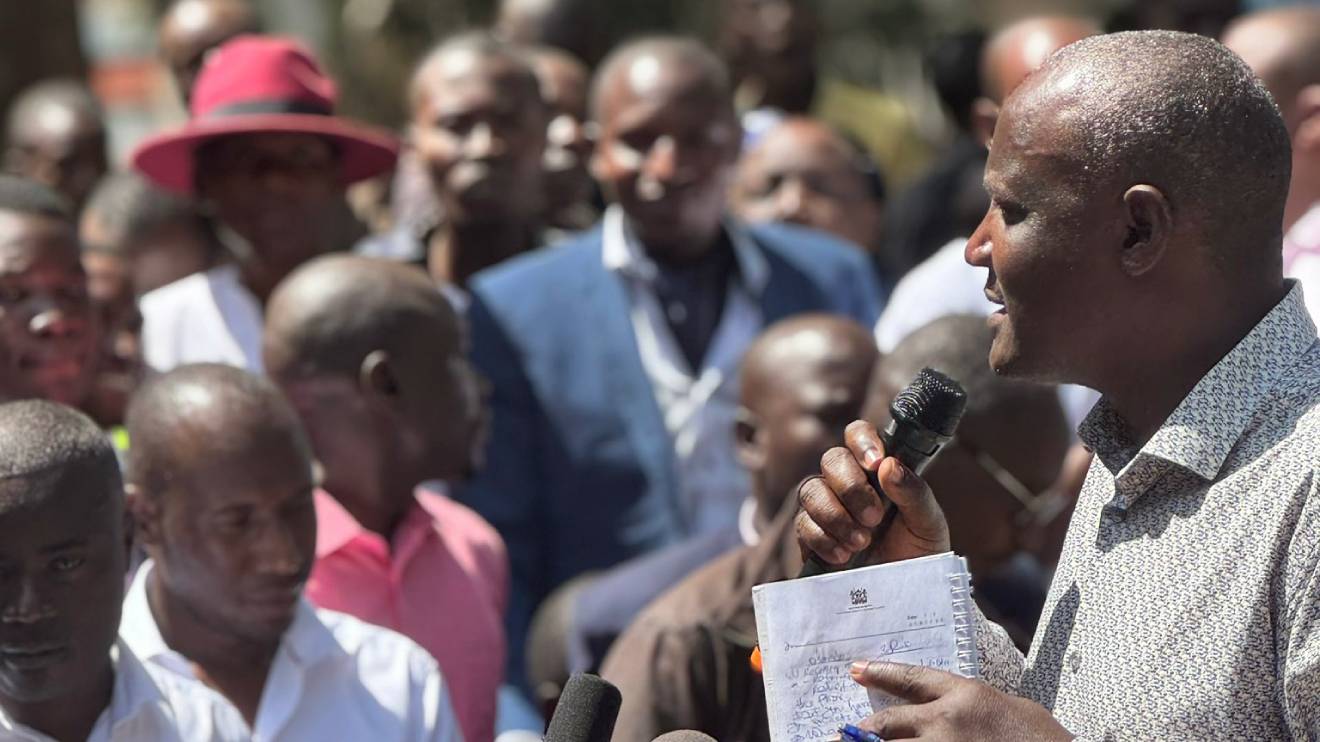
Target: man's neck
{"x":369,"y":512}
{"x":69,"y":718}
{"x":454,"y":252}
{"x":1144,"y":400}
{"x":236,"y":667}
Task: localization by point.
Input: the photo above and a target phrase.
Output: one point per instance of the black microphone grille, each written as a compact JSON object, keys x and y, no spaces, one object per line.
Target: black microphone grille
{"x":685,"y":735}
{"x":587,"y":710}
{"x":932,"y":401}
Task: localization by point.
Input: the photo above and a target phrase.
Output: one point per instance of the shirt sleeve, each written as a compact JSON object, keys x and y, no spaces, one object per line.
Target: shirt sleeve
{"x":1002,"y":664}
{"x":1298,"y":637}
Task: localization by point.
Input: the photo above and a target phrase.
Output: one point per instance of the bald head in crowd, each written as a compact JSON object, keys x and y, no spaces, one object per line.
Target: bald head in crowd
{"x":805,"y":172}
{"x":1283,"y":48}
{"x":190,"y":29}
{"x":372,"y":356}
{"x":802,"y":382}
{"x":56,"y":136}
{"x":1015,"y":52}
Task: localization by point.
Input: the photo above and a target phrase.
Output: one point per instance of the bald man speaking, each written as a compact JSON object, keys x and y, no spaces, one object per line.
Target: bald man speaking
{"x":1133,"y":241}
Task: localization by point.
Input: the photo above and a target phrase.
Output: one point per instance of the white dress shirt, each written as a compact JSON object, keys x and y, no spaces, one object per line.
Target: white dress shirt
{"x":333,"y":678}
{"x":698,"y":409}
{"x":151,"y":704}
{"x":208,"y":317}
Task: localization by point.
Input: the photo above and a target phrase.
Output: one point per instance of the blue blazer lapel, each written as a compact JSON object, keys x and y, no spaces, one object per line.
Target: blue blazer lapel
{"x":610,"y":336}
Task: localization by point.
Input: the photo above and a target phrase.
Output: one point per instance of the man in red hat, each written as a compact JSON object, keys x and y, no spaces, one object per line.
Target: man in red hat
{"x":264,"y":151}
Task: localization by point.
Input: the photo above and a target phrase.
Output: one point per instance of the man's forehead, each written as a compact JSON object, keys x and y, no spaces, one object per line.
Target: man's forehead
{"x":27,"y":238}
{"x":658,"y":80}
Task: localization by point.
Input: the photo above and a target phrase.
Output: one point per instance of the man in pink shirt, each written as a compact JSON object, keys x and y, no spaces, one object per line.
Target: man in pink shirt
{"x":372,"y":356}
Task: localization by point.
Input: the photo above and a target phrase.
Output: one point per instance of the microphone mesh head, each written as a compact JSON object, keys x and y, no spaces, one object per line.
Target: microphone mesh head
{"x":586,"y":712}
{"x":932,"y":401}
{"x":684,"y":735}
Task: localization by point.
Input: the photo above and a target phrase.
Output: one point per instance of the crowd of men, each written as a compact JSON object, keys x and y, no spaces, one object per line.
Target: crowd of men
{"x":614,"y":347}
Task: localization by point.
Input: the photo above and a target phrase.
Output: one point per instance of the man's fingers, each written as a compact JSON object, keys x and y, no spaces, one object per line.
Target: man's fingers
{"x":912,"y":683}
{"x":850,"y":484}
{"x":901,"y":721}
{"x":821,"y":543}
{"x":914,"y":500}
{"x":864,"y":441}
{"x":841,"y":480}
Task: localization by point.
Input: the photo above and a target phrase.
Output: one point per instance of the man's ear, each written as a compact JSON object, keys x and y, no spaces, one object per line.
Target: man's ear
{"x":748,"y":440}
{"x":145,"y":512}
{"x":1148,"y":228}
{"x":376,"y":378}
{"x":1306,"y":137}
{"x":985,"y":113}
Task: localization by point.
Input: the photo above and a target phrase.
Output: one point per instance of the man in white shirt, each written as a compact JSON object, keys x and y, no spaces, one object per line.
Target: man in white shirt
{"x":63,"y":550}
{"x":221,"y":485}
{"x":264,"y":150}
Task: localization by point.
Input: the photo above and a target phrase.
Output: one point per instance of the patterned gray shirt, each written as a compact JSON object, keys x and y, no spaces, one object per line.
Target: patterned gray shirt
{"x":1187,"y":601}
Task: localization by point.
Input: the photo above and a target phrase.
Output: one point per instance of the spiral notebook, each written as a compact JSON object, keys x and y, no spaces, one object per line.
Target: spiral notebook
{"x":810,"y":630}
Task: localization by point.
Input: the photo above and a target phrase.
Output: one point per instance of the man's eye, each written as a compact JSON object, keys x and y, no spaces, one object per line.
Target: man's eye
{"x":11,"y":294}
{"x":1012,"y":213}
{"x":66,"y":563}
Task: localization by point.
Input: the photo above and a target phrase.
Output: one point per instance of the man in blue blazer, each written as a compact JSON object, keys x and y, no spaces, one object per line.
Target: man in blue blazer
{"x":613,"y":357}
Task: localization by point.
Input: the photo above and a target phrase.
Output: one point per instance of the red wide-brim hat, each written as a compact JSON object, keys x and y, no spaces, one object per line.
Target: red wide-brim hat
{"x":263,"y":85}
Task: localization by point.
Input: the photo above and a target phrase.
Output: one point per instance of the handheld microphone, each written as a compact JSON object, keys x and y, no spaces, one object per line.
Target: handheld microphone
{"x":587,"y":710}
{"x":923,"y":419}
{"x":685,"y":735}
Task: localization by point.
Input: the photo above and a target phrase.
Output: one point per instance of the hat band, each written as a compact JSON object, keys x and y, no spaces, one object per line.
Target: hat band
{"x":249,"y":107}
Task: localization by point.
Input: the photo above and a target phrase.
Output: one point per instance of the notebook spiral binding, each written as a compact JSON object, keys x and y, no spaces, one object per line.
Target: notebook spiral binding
{"x":964,"y":624}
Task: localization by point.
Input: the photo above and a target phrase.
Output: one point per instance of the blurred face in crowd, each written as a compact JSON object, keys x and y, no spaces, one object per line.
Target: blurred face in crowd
{"x":192,"y":28}
{"x":567,"y":145}
{"x":1043,"y":241}
{"x":62,"y":562}
{"x":801,"y":172}
{"x":668,"y":144}
{"x":808,"y":382}
{"x":279,"y":192}
{"x":480,"y":127}
{"x":119,"y":363}
{"x":234,"y":532}
{"x":61,"y":147}
{"x":775,"y":41}
{"x":47,"y":323}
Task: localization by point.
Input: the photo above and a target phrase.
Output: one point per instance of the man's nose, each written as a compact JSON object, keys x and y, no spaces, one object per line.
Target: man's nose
{"x":662,"y":161}
{"x":279,"y":552}
{"x":483,"y":142}
{"x":50,"y":320}
{"x":979,"y":245}
{"x":28,"y":606}
{"x":790,"y":201}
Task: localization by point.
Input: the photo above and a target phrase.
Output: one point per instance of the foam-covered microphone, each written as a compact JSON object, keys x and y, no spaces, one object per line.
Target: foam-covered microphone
{"x":685,"y":735}
{"x":587,"y":710}
{"x":923,"y":418}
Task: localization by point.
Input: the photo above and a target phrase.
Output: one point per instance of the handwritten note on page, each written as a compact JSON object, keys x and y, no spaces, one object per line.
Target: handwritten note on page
{"x":811,"y":629}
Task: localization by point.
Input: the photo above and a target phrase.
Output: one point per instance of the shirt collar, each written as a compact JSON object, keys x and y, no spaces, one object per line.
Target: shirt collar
{"x":336,"y":528}
{"x":1205,"y":426}
{"x":623,"y":253}
{"x":307,"y":640}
